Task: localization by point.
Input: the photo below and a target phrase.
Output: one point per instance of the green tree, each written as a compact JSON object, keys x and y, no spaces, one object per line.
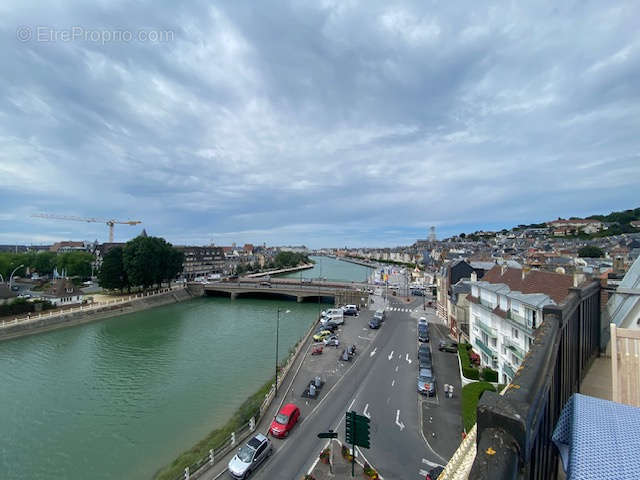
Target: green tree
{"x":43,"y":262}
{"x":75,"y":264}
{"x":151,"y":260}
{"x":590,"y":251}
{"x":112,"y":274}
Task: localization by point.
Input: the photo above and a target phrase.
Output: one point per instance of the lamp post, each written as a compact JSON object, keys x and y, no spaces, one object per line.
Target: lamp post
{"x":277,"y":334}
{"x":14,"y":271}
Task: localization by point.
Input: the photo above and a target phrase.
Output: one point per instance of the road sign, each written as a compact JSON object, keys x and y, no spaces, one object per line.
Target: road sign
{"x":329,"y":434}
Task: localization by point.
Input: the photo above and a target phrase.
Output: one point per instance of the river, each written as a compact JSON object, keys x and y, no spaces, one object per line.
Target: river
{"x":122,"y":397}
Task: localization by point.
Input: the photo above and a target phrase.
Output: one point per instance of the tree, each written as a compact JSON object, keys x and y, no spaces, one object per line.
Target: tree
{"x":43,"y":262}
{"x":151,"y":260}
{"x":112,"y":274}
{"x":75,"y":264}
{"x":590,"y":251}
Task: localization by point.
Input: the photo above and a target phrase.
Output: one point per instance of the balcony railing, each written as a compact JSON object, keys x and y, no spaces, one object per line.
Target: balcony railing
{"x":492,"y":332}
{"x":514,"y":430}
{"x":519,"y":321}
{"x":506,"y":368}
{"x":513,"y":347}
{"x":485,"y":348}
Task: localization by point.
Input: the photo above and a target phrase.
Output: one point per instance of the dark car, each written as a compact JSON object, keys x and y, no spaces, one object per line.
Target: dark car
{"x":332,"y":327}
{"x":350,"y":310}
{"x":423,"y":333}
{"x":374,"y":323}
{"x":426,"y":382}
{"x":450,"y":347}
{"x":434,"y":473}
{"x":417,"y":293}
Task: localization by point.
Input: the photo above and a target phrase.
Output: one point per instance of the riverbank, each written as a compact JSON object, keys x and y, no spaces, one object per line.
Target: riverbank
{"x":358,"y":262}
{"x":208,"y":451}
{"x":53,"y":320}
{"x":306,"y":266}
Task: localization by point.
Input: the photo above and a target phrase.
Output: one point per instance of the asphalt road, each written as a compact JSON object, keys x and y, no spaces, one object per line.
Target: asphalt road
{"x":381,"y":383}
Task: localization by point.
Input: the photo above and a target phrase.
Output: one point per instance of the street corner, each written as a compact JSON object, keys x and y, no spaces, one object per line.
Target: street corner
{"x":339,"y":465}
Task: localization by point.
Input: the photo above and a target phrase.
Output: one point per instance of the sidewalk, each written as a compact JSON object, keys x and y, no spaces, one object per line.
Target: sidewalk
{"x":341,"y":467}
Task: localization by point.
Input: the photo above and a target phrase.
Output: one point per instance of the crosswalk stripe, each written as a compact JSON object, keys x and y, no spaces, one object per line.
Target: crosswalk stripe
{"x":422,"y":473}
{"x":431,"y":464}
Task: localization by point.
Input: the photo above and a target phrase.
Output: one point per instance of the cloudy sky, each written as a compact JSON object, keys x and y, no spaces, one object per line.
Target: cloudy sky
{"x":327,"y":123}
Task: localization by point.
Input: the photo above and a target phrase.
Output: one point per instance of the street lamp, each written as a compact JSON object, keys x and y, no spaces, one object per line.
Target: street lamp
{"x":14,"y":271}
{"x":277,"y":332}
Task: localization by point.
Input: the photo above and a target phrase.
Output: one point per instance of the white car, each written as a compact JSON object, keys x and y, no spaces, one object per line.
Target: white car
{"x":422,"y":321}
{"x":250,"y":456}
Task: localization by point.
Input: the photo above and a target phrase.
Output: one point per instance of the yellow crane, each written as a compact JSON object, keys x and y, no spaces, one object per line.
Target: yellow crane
{"x":110,"y":223}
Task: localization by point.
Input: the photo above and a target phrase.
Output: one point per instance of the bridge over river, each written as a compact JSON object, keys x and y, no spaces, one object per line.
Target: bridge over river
{"x":342,"y":292}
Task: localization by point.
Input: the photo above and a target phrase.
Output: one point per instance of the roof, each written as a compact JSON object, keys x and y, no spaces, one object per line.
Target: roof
{"x":59,"y":288}
{"x":621,"y":305}
{"x":555,"y":285}
{"x":288,"y":409}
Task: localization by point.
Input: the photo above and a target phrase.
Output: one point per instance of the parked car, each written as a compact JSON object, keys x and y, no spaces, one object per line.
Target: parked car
{"x":451,"y":347}
{"x":327,"y":326}
{"x":350,"y":310}
{"x":423,"y":333}
{"x":284,"y":420}
{"x":332,"y":341}
{"x":250,"y":456}
{"x":374,"y":323}
{"x":379,"y":314}
{"x":422,"y":321}
{"x":417,"y":293}
{"x":318,"y":337}
{"x":426,"y":382}
{"x":434,"y":473}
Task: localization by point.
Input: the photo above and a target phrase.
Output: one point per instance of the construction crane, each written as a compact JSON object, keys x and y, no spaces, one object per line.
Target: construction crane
{"x":110,"y":223}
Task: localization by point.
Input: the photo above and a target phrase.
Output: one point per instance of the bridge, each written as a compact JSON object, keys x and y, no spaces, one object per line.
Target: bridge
{"x":342,"y":292}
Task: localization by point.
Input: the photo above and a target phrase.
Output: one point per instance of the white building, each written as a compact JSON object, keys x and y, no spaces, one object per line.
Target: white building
{"x":505,"y":310}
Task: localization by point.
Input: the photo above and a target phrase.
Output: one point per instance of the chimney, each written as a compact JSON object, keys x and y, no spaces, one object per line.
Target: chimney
{"x":474,"y":277}
{"x":525,"y":270}
{"x":578,"y":278}
{"x":503,"y":268}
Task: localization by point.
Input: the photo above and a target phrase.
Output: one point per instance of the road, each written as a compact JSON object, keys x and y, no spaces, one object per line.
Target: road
{"x":382,"y":381}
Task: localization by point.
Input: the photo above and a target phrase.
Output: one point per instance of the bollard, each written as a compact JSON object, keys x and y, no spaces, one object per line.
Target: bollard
{"x":211,"y":460}
{"x":233,"y":438}
{"x":252,"y":424}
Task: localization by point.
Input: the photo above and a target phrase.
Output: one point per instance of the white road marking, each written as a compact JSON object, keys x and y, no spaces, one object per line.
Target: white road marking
{"x":396,"y":368}
{"x":398,"y":422}
{"x":408,"y":359}
{"x":422,"y":473}
{"x":373,"y":352}
{"x":391,"y":355}
{"x":363,"y":338}
{"x":393,"y":383}
{"x":351,"y":404}
{"x":365,"y":413}
{"x":431,"y":464}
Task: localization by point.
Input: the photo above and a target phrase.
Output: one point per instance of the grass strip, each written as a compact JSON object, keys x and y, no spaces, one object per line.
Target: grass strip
{"x":470,"y":396}
{"x":217,"y":437}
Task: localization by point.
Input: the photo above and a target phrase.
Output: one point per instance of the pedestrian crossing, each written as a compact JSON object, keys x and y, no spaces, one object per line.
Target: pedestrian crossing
{"x":426,"y":464}
{"x":406,"y":310}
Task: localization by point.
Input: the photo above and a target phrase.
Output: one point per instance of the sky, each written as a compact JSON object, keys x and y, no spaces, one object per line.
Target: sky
{"x":329,"y":123}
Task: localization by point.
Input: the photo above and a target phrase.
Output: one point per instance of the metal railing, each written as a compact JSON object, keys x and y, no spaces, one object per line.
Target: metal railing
{"x":514,"y":430}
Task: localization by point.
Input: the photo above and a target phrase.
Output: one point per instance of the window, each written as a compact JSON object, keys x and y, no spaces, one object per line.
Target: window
{"x":514,"y":359}
{"x":504,"y":350}
{"x":494,"y":342}
{"x":530,"y":342}
{"x":514,"y":332}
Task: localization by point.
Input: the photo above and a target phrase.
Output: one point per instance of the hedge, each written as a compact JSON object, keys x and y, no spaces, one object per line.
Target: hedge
{"x":489,"y":374}
{"x":470,"y":395}
{"x":468,"y":371}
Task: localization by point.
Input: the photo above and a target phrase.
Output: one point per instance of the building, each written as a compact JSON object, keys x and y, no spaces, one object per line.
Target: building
{"x":63,"y":292}
{"x":505,"y":310}
{"x":623,"y":307}
{"x":68,"y":246}
{"x":574,"y":226}
{"x":202,"y":261}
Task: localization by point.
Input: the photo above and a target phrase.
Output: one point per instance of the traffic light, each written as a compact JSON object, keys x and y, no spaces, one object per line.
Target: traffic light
{"x":357,"y":429}
{"x":350,"y":427}
{"x":362,"y":431}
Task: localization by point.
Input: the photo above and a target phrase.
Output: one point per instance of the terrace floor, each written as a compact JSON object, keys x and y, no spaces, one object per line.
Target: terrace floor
{"x":597,"y":381}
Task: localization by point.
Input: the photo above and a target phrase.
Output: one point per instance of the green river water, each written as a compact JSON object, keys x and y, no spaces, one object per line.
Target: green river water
{"x":120,"y":398}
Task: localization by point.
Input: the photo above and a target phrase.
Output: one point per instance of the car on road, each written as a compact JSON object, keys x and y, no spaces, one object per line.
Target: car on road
{"x":434,"y":473}
{"x":423,"y":321}
{"x":327,"y":326}
{"x":448,"y":346}
{"x":318,"y":337}
{"x":285,"y":420}
{"x":426,"y":382}
{"x":250,"y":456}
{"x":379,"y":314}
{"x":374,"y":323}
{"x":332,"y":341}
{"x":350,"y":310}
{"x":423,"y":333}
{"x":417,"y":293}
{"x":265,"y":284}
{"x":424,"y":358}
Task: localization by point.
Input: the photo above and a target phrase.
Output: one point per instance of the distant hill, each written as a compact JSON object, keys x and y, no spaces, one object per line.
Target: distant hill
{"x":620,"y":222}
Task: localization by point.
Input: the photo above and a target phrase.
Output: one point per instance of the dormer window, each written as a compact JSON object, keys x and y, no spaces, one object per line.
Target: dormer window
{"x":69,"y":290}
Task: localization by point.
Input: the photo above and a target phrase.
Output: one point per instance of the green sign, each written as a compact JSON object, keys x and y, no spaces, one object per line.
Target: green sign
{"x":357,"y":429}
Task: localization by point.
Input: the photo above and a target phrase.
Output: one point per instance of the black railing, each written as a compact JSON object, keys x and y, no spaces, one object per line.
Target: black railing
{"x":514,"y":430}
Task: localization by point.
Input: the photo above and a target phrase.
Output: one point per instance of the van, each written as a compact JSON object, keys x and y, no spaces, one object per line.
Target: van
{"x":379,"y":315}
{"x":335,"y":318}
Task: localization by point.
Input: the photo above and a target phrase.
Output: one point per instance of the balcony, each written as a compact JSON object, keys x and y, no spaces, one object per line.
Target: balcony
{"x":513,"y":347}
{"x":485,"y":348}
{"x":492,"y":332}
{"x":506,"y":368}
{"x":519,"y":321}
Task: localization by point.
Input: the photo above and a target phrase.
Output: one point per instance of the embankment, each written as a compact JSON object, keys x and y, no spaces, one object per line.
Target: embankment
{"x":282,"y":270}
{"x":91,"y":313}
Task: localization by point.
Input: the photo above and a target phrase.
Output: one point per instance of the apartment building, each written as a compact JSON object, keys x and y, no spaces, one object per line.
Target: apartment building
{"x":505,"y":308}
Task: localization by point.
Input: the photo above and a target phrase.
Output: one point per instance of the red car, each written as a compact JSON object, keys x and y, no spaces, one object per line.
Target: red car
{"x":285,"y":420}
